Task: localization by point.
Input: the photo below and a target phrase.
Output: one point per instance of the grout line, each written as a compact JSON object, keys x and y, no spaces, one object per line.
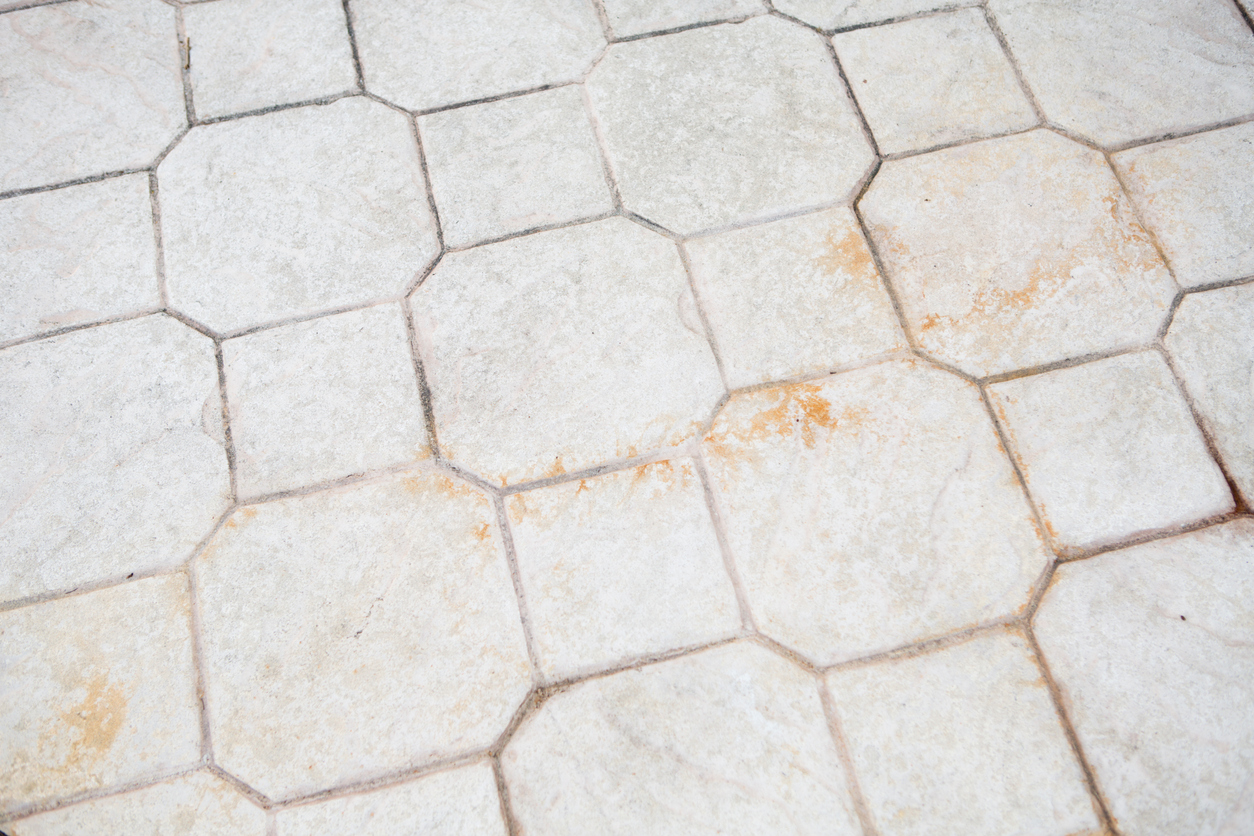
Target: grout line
{"x":185,"y":65}
{"x":149,"y":779}
{"x":424,"y":388}
{"x":198,"y":327}
{"x":88,"y":587}
{"x":165,"y":152}
{"x":1244,"y":15}
{"x":843,"y":754}
{"x":533,"y":230}
{"x":253,"y":795}
{"x":377,"y":781}
{"x":276,"y":108}
{"x":857,"y":109}
{"x":961,"y":143}
{"x":711,"y":339}
{"x":1183,"y":133}
{"x":652,"y":226}
{"x":687,"y":27}
{"x":925,"y":646}
{"x":512,"y":826}
{"x":163,"y":291}
{"x":729,"y":563}
{"x":933,"y":12}
{"x":513,"y":94}
{"x":198,"y":663}
{"x":1142,"y":537}
{"x":228,"y":441}
{"x":520,"y":593}
{"x":1055,"y":695}
{"x":1020,"y":76}
{"x":360,"y":477}
{"x":885,"y":281}
{"x":1145,"y":227}
{"x":352,"y":45}
{"x":603,"y":149}
{"x":603,"y":18}
{"x":34,"y":4}
{"x":823,"y":374}
{"x":1067,"y":363}
{"x":606,"y":467}
{"x":78,"y":181}
{"x":643,"y":661}
{"x":787,"y":653}
{"x":297,"y":319}
{"x":80,"y":326}
{"x":428,"y":186}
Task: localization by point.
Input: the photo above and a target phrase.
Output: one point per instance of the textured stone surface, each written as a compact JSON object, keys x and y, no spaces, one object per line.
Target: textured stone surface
{"x":793,"y":297}
{"x":842,"y":14}
{"x":76,"y":255}
{"x":731,"y":741}
{"x":564,"y":349}
{"x":88,"y":88}
{"x":1119,"y":70}
{"x":1153,"y":651}
{"x":1210,"y":344}
{"x":620,"y":566}
{"x":871,"y":510}
{"x":460,"y":801}
{"x":933,"y":80}
{"x":962,"y":740}
{"x":516,"y":164}
{"x":293,"y":212}
{"x":636,"y":17}
{"x":441,"y":52}
{"x":112,"y":454}
{"x":357,"y":631}
{"x":1109,"y":450}
{"x":250,"y":54}
{"x":323,"y":399}
{"x":195,"y":805}
{"x":751,"y":120}
{"x":1016,"y":252}
{"x":98,"y":690}
{"x":1196,"y":196}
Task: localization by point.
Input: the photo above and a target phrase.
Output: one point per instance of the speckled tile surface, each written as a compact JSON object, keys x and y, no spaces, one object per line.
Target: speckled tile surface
{"x":528,"y":417}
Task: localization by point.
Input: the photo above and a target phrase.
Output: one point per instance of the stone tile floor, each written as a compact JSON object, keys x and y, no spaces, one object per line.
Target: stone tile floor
{"x":627,"y":416}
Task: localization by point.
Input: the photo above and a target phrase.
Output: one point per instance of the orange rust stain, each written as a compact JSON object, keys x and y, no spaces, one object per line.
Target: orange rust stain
{"x":97,"y":719}
{"x":844,"y":250}
{"x":482,"y":532}
{"x":583,"y":486}
{"x":801,"y":408}
{"x":422,"y":486}
{"x":556,"y":469}
{"x":518,"y":509}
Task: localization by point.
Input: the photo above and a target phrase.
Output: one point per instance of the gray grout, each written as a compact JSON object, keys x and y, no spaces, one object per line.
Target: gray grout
{"x":185,"y":65}
{"x":520,"y":592}
{"x":1020,"y":76}
{"x":832,"y":716}
{"x":747,"y":620}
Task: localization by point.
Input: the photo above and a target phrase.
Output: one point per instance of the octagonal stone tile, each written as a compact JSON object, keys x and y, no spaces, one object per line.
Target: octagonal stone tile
{"x":562,"y":350}
{"x":727,"y":124}
{"x":1120,"y":70}
{"x":357,"y":631}
{"x":111,"y":453}
{"x":1016,"y":252}
{"x":89,"y":88}
{"x":436,"y":53}
{"x":730,"y":741}
{"x":293,"y":212}
{"x":871,"y":510}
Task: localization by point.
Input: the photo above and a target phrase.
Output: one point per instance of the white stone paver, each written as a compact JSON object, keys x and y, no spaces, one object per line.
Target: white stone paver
{"x":1121,"y":70}
{"x":436,"y":53}
{"x":323,"y":399}
{"x":459,"y":801}
{"x":98,"y":690}
{"x":293,"y":212}
{"x":962,"y":740}
{"x":1109,"y":450}
{"x":88,"y":88}
{"x":1152,"y":650}
{"x":933,"y":80}
{"x":871,"y":510}
{"x":562,"y":350}
{"x":77,"y":255}
{"x":514,"y":164}
{"x":1211,"y":346}
{"x":250,"y":54}
{"x":793,"y":297}
{"x":1016,"y":252}
{"x":620,"y":566}
{"x":732,"y":740}
{"x":112,"y":454}
{"x":1195,"y":195}
{"x":843,"y":14}
{"x":630,"y":18}
{"x":358,"y":631}
{"x":752,"y":121}
{"x":199,"y":804}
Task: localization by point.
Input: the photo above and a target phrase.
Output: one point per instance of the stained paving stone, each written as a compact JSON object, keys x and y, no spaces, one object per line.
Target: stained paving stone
{"x":89,"y":88}
{"x":113,"y":457}
{"x":358,"y":631}
{"x":674,"y":748}
{"x":1151,"y":649}
{"x":1209,"y":343}
{"x":870,"y":510}
{"x":630,"y":18}
{"x":727,"y":124}
{"x":1115,"y":71}
{"x":98,"y":690}
{"x":294,"y":212}
{"x":1109,"y":450}
{"x":1016,"y":252}
{"x":563,"y":350}
{"x":434,"y":54}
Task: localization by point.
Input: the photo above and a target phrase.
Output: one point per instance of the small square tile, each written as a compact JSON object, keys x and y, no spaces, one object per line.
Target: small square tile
{"x":199,"y":804}
{"x":620,"y":566}
{"x":933,"y":80}
{"x":98,"y":690}
{"x":638,"y":17}
{"x":1197,"y":195}
{"x":322,"y":399}
{"x":1152,"y":648}
{"x":793,"y":297}
{"x":1109,"y":450}
{"x":519,"y":163}
{"x":962,"y":740}
{"x":77,"y":255}
{"x":1211,"y":346}
{"x":250,"y":54}
{"x":458,"y":801}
